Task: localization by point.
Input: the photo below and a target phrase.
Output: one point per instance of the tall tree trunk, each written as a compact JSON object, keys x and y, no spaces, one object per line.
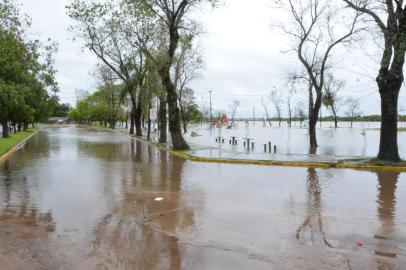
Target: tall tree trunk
{"x":290,"y":118}
{"x":311,"y":100}
{"x":162,"y":119}
{"x":178,"y":141}
{"x":5,"y":129}
{"x":132,"y":113}
{"x":149,"y":122}
{"x":314,"y":116}
{"x":335,"y":117}
{"x":137,"y":118}
{"x":388,"y":147}
{"x":112,"y":124}
{"x":184,"y":121}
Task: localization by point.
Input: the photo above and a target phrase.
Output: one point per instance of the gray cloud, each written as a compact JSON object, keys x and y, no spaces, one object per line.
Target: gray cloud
{"x":242,"y":52}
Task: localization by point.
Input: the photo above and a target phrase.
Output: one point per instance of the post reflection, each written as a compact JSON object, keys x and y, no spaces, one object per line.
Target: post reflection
{"x":18,"y":218}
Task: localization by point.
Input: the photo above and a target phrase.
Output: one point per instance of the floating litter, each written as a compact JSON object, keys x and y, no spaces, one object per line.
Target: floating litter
{"x":159,"y":199}
{"x":358,"y":243}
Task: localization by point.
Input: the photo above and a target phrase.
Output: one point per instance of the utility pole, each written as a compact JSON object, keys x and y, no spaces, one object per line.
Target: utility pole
{"x":253,"y":115}
{"x":210,"y":108}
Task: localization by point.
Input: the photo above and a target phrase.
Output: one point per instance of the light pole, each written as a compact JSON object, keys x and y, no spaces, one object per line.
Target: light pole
{"x":210,"y":107}
{"x":253,"y":115}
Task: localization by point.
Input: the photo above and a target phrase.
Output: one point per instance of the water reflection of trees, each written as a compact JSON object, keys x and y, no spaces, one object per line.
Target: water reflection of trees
{"x":140,"y":233}
{"x":385,"y":244}
{"x":18,"y":218}
{"x":312,"y":228}
{"x":108,"y":151}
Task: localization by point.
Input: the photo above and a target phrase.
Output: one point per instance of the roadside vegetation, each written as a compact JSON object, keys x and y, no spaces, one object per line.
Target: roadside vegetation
{"x":6,"y":144}
{"x":27,"y":77}
{"x":148,"y":55}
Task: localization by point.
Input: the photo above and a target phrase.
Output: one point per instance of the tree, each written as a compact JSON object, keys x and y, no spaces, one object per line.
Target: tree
{"x":265,"y":106}
{"x":102,"y":106}
{"x":276,"y":100}
{"x":61,"y":109}
{"x":331,"y":98}
{"x":81,"y":113}
{"x":109,"y":94}
{"x":289,"y":103}
{"x":353,"y":108}
{"x":103,"y":28}
{"x":300,"y":112}
{"x":187,"y":63}
{"x":27,"y":76}
{"x":174,"y":17}
{"x":233,"y":107}
{"x":318,"y":28}
{"x":191,"y":110}
{"x":390,"y":18}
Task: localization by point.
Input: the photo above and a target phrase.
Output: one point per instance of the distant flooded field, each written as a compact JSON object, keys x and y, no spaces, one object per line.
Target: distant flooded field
{"x":90,"y":199}
{"x":360,"y":140}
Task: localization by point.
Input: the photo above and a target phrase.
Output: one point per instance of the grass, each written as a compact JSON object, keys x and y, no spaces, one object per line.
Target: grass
{"x":377,"y":129}
{"x":378,"y":162}
{"x":6,"y":144}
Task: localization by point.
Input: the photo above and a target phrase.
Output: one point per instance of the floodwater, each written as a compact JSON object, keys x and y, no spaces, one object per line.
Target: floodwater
{"x":85,"y":199}
{"x":362,"y":140}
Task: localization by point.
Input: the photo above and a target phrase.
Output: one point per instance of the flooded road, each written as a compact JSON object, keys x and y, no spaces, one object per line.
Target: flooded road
{"x":85,"y":199}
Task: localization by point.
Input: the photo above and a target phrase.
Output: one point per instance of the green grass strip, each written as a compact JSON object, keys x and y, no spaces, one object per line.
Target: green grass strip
{"x":6,"y":144}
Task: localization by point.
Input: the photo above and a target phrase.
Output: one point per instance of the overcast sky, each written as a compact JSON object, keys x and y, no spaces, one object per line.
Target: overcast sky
{"x":242,"y":52}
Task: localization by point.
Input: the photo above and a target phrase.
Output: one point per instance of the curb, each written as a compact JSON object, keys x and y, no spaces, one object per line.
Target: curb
{"x":321,"y":165}
{"x":17,"y":146}
{"x":186,"y":156}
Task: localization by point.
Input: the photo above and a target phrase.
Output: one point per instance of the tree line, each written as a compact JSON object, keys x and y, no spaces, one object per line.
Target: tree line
{"x":148,"y":46}
{"x":318,"y":27}
{"x":110,"y":105}
{"x":27,"y":77}
{"x":147,"y":42}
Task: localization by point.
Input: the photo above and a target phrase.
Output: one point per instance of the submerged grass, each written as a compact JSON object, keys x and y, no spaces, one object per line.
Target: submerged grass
{"x":6,"y":144}
{"x":378,"y":129}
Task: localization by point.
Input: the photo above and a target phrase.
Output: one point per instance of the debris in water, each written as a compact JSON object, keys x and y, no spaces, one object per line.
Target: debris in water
{"x":159,"y":199}
{"x":358,"y":243}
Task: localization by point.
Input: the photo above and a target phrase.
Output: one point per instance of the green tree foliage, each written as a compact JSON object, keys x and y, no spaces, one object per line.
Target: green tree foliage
{"x":27,"y":81}
{"x":102,"y":107}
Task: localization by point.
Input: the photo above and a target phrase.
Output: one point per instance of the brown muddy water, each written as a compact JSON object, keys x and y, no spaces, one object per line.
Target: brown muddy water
{"x":85,"y":199}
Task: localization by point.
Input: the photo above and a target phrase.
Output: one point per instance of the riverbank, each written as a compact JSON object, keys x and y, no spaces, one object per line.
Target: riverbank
{"x":7,"y":145}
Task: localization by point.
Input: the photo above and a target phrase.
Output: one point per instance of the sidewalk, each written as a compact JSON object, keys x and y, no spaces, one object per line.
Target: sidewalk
{"x":218,"y":153}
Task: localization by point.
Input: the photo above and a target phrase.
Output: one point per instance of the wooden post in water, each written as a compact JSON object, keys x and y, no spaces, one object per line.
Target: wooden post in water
{"x":265,"y":148}
{"x":274,"y":148}
{"x":270,"y":147}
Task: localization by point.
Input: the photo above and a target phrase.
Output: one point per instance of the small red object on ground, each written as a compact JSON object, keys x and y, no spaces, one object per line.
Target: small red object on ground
{"x":358,"y":243}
